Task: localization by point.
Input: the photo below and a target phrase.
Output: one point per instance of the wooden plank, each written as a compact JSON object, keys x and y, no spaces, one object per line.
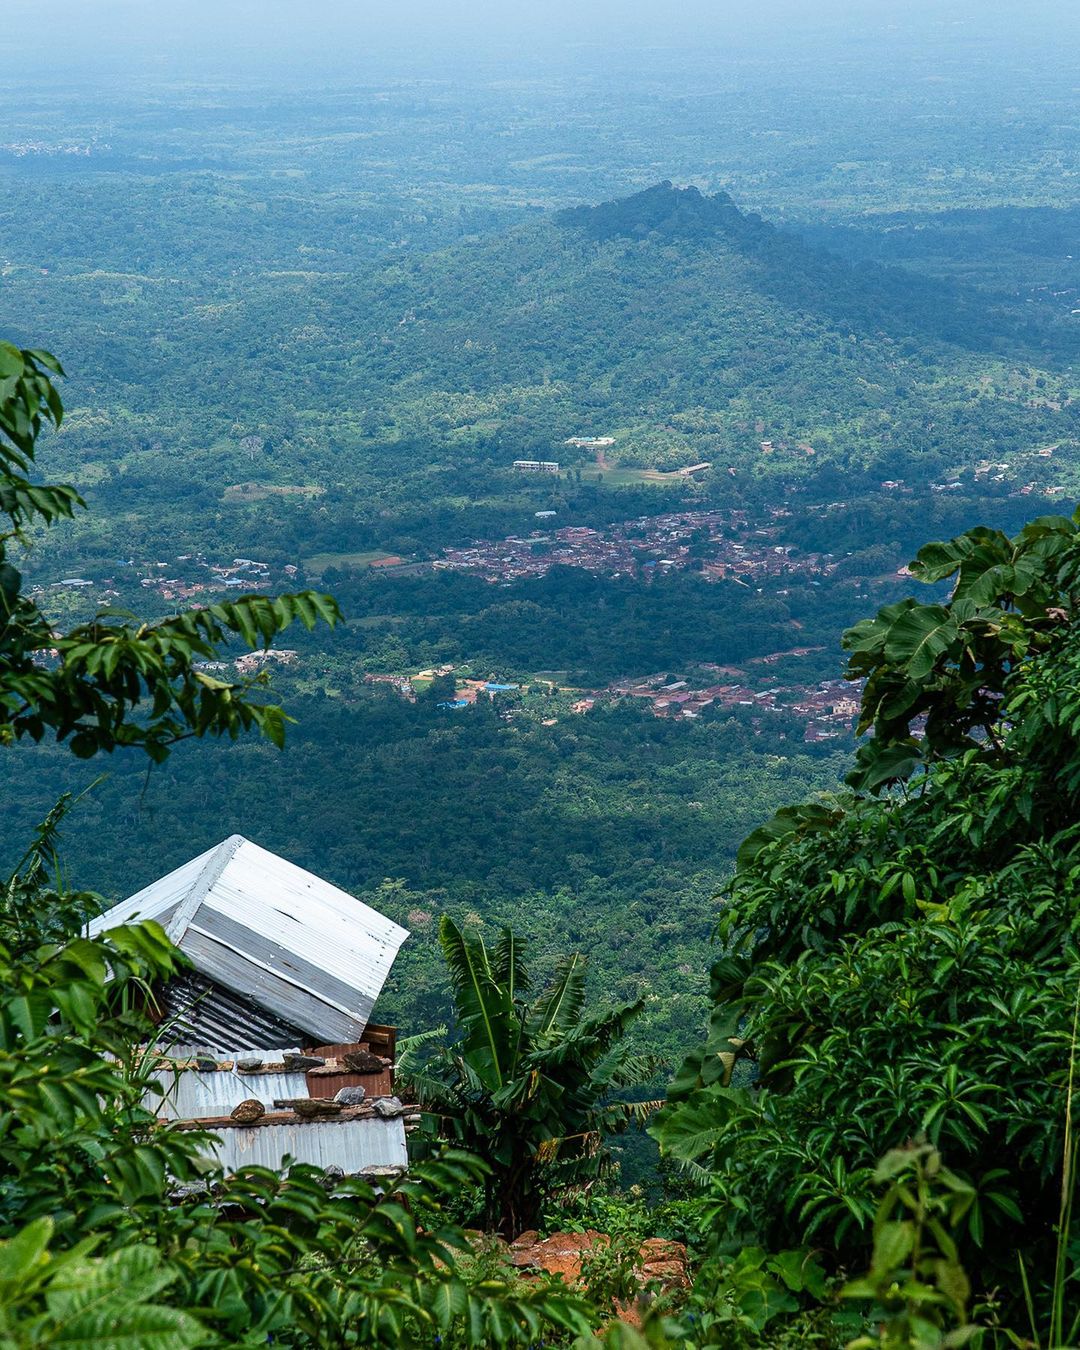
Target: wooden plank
{"x":343,"y":1117}
{"x":381,"y":1039}
{"x":375,"y":1085}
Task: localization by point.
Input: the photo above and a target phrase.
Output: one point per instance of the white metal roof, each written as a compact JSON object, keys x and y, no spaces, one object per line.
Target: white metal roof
{"x":191,"y":1095}
{"x":274,"y":933}
{"x":356,"y":1146}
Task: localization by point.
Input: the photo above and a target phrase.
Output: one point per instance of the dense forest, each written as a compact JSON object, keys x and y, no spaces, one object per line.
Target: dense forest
{"x":497,"y":346}
{"x":827,"y":1047}
{"x":379,"y":403}
{"x":762,"y":314}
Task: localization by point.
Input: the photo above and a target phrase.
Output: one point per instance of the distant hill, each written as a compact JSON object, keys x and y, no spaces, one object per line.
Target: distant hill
{"x":671,"y":212}
{"x":688,"y":330}
{"x":684,"y":328}
{"x":858,"y":290}
{"x":1027,"y":256}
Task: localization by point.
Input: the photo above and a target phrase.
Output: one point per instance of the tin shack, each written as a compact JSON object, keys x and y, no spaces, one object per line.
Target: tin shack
{"x":268,"y":1039}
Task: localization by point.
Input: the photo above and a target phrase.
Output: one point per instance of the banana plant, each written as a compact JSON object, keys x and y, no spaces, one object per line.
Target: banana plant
{"x":532,"y":1087}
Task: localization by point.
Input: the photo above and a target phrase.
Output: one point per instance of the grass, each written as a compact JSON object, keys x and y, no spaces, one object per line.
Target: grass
{"x":377,"y":620}
{"x":627,"y":477}
{"x":319,"y":562}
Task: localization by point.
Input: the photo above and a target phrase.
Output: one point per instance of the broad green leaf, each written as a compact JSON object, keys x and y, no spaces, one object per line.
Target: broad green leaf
{"x":21,"y":1254}
{"x":920,"y":637}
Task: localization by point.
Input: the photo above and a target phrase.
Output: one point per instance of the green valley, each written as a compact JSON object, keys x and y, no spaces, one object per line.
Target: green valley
{"x":487,"y":462}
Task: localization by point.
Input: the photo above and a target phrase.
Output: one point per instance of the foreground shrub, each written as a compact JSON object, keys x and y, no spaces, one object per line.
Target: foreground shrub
{"x":902,"y":960}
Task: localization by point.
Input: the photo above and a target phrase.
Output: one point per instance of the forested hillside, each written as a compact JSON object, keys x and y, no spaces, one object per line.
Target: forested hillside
{"x":321,"y":409}
{"x":327,"y":400}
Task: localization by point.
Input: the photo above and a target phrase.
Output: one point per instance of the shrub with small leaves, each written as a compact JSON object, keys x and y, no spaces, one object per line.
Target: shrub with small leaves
{"x":918,"y":1287}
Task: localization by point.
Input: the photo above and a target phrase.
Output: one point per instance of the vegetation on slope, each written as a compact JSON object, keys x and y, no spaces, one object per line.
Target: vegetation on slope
{"x":901,"y":962}
{"x":402,"y":391}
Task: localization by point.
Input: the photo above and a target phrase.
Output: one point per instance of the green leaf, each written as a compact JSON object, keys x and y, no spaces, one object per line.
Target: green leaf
{"x":448,"y":1301}
{"x":11,"y":361}
{"x":20,"y":1255}
{"x":893,"y":1243}
{"x":692,"y":1129}
{"x":482,"y":1006}
{"x":560,"y":1008}
{"x":919,"y":638}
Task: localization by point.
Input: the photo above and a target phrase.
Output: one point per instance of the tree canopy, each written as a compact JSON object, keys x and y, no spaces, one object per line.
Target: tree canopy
{"x":904,"y":962}
{"x":113,"y":681}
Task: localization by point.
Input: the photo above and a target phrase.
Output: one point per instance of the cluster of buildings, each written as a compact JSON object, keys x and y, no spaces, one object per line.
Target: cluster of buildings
{"x":466,"y":691}
{"x":252,"y":662}
{"x":186,"y":577}
{"x":988,"y":471}
{"x":469,"y":691}
{"x":827,"y":708}
{"x":720,"y":544}
{"x":22,"y":149}
{"x":401,"y":684}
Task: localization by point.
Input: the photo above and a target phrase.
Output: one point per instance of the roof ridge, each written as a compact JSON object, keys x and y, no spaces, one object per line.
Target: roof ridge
{"x":201,"y":887}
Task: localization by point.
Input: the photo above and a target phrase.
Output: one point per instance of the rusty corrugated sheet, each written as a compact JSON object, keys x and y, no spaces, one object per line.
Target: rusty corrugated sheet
{"x":355,"y":1138}
{"x":379,"y":1084}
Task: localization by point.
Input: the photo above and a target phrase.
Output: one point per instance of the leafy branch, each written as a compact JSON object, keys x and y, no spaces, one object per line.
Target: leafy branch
{"x":115,"y":681}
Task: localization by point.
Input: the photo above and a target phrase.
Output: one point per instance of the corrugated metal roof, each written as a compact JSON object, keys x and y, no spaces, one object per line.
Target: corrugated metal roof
{"x":273,"y":933}
{"x":200,"y":1015}
{"x":191,"y":1095}
{"x":153,"y":901}
{"x":355,"y":1146}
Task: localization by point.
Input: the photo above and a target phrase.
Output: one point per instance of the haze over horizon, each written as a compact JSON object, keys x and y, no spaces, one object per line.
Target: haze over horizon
{"x":253,"y":39}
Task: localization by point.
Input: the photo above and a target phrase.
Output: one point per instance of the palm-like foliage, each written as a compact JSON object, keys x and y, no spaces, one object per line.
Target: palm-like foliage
{"x":532,"y":1088}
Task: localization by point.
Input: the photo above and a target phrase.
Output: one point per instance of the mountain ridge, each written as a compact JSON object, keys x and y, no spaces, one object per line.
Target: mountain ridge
{"x":667,"y":210}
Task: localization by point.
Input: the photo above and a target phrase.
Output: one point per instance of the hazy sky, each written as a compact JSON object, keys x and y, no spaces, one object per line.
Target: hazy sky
{"x":340,"y":36}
